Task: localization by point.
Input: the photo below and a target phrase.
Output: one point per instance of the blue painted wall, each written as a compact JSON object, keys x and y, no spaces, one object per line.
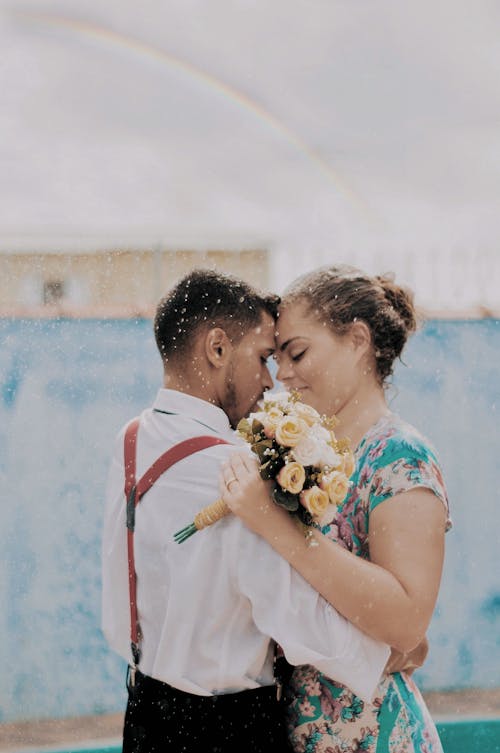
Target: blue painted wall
{"x":67,"y":386}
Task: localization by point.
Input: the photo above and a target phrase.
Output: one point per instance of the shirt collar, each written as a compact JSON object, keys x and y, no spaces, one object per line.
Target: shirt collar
{"x":193,"y":407}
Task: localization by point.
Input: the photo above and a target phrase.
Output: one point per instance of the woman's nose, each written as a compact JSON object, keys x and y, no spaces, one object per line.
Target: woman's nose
{"x":284,"y":372}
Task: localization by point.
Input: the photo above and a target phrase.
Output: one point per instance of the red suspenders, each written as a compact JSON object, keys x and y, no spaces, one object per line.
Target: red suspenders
{"x":134,"y":491}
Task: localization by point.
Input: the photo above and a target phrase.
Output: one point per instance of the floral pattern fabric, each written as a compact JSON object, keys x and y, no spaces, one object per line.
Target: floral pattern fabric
{"x":325,"y":716}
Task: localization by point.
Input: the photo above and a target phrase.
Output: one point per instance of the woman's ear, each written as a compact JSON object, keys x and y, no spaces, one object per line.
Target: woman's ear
{"x":360,"y":336}
{"x":217,"y":347}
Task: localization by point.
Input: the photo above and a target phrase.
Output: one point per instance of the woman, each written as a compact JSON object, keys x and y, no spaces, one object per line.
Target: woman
{"x":379,"y":563}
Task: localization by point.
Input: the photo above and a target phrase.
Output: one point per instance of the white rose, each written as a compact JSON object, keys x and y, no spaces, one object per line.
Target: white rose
{"x":328,"y":516}
{"x":269,"y":419}
{"x":306,"y":413}
{"x":260,"y":416}
{"x":309,"y":450}
{"x":329,"y":457}
{"x":320,"y":432}
{"x":281,"y":398}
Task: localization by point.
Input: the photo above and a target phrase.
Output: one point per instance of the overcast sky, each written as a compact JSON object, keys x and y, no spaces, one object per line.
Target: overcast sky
{"x":300,"y":125}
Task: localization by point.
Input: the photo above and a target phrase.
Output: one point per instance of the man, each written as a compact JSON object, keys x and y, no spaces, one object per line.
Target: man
{"x":209,"y":608}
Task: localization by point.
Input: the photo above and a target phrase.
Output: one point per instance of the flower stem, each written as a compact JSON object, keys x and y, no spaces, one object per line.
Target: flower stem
{"x":206,"y":517}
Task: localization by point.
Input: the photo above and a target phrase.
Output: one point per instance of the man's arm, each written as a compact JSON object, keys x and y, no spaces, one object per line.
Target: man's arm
{"x":309,"y":630}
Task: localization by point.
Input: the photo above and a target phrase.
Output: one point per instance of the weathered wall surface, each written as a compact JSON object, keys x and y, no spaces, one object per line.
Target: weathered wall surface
{"x":67,"y":386}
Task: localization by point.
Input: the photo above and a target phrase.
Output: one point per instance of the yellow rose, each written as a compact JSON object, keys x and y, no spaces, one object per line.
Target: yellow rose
{"x":290,"y":431}
{"x":336,"y":486}
{"x":306,"y":413}
{"x":291,"y":477}
{"x":270,"y":420}
{"x":348,"y":464}
{"x":274,"y":413}
{"x":315,"y":500}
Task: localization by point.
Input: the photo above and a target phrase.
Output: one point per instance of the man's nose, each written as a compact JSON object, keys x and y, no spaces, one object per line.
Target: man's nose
{"x":267,"y":380}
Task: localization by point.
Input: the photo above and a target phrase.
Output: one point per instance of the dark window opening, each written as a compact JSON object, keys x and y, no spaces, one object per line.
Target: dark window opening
{"x":53,"y":291}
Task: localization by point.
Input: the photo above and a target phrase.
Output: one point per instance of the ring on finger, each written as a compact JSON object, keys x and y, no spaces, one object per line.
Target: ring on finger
{"x":231,"y":481}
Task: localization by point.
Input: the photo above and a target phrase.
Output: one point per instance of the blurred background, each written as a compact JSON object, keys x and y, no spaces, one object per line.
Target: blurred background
{"x":263,"y":139}
{"x":267,"y":136}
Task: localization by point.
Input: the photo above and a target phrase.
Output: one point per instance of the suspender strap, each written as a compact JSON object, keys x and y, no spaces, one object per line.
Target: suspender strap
{"x":135,"y":490}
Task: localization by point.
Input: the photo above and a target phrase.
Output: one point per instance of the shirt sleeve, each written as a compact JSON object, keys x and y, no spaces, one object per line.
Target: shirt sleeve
{"x":407,"y":464}
{"x":115,"y":608}
{"x":309,"y":630}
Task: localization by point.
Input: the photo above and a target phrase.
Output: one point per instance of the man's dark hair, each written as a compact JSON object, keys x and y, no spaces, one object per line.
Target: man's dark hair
{"x":205,"y":298}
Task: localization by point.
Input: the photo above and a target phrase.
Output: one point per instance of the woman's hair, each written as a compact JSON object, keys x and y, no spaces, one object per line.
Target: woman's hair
{"x":341,"y":295}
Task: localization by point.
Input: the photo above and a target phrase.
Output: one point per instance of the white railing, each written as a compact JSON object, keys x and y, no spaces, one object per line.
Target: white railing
{"x":443,"y":279}
{"x":447,"y":281}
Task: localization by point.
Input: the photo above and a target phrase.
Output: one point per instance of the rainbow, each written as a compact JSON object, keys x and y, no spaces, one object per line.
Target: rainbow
{"x":109,"y":38}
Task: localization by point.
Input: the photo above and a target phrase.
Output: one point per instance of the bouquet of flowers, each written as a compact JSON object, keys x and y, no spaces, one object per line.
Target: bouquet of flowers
{"x":297,"y":450}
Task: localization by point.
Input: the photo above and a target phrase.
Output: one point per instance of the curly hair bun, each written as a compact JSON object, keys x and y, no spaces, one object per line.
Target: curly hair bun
{"x":401,"y":299}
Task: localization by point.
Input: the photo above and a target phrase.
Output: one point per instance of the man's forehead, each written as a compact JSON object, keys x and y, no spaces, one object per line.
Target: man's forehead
{"x":263,"y":333}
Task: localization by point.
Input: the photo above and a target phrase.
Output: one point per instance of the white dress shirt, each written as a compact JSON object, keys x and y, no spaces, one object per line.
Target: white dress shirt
{"x":209,"y":606}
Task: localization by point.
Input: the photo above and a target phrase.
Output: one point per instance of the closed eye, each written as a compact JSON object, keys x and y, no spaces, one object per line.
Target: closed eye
{"x":298,"y":356}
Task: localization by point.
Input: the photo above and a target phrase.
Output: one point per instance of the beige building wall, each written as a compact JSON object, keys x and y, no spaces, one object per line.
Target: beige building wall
{"x":110,"y":283}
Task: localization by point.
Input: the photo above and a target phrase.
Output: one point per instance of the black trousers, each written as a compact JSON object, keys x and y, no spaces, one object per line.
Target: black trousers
{"x":162,"y":719}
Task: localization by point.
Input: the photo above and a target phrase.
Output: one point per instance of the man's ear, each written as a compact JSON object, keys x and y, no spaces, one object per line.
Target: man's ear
{"x":217,"y":347}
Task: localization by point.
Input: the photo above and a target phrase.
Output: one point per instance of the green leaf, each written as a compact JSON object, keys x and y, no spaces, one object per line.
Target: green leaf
{"x":270,"y":468}
{"x":266,"y":471}
{"x":257,"y":427}
{"x":244,"y":427}
{"x":306,"y":517}
{"x":285,"y":499}
{"x":276,"y":464}
{"x":260,"y":447}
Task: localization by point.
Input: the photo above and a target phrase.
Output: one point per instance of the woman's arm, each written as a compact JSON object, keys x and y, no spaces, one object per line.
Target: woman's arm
{"x":391,"y":597}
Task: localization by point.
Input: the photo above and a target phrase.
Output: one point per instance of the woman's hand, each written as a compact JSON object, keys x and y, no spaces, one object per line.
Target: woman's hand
{"x":247,"y":495}
{"x":409,"y":662}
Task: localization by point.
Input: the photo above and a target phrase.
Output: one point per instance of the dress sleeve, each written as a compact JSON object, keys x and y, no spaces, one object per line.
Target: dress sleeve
{"x":407,"y":464}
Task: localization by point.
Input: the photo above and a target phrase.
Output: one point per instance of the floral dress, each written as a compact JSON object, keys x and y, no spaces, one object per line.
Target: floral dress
{"x":325,"y":716}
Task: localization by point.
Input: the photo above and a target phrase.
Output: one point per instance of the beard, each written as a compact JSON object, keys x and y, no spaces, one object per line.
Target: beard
{"x":238,"y":401}
{"x":232,"y":406}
